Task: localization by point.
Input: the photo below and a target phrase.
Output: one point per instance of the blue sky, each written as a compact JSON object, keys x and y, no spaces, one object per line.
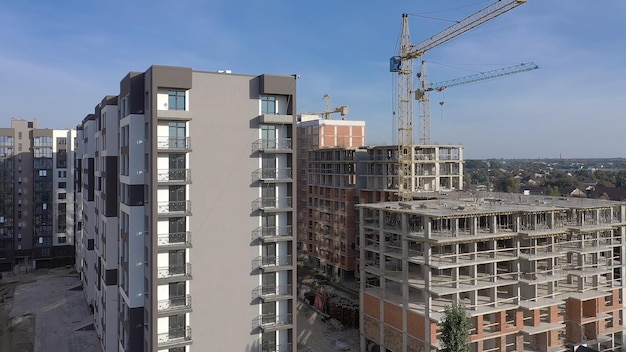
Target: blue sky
{"x":60,"y":58}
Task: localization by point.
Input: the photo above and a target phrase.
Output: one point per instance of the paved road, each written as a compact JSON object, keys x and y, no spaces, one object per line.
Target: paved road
{"x":59,"y":311}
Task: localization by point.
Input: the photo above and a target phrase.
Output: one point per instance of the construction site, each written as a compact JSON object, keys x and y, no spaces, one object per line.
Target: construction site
{"x":535,"y":273}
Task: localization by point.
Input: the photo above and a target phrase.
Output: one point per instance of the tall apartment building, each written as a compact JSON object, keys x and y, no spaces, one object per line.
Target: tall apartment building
{"x":327,"y":184}
{"x":183,"y":261}
{"x":97,"y":239}
{"x":535,"y":273}
{"x":36,"y":212}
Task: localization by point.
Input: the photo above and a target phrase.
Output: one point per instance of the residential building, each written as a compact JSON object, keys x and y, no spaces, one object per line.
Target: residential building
{"x":327,"y":183}
{"x":535,"y":273}
{"x":36,"y":209}
{"x":187,"y":279}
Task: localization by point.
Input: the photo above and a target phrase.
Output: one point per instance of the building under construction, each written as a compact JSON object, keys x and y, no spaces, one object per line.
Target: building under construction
{"x":433,"y":169}
{"x":337,"y":171}
{"x":535,"y":273}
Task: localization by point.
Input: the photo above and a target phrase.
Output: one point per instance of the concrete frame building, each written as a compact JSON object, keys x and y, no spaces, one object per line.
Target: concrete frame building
{"x":236,"y":133}
{"x":535,"y":273}
{"x":339,"y":171}
{"x":36,"y":212}
{"x":436,"y":168}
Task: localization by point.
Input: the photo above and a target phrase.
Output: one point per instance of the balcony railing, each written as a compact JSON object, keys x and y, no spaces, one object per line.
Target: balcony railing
{"x":269,"y":203}
{"x":271,"y":174}
{"x":269,"y":292}
{"x":266,"y":347}
{"x":174,"y":271}
{"x":272,"y":144}
{"x":174,"y":239}
{"x":174,"y":336}
{"x":174,"y":143}
{"x":174,"y":207}
{"x":272,"y":232}
{"x":272,"y":322}
{"x":272,"y":262}
{"x":174,"y":304}
{"x":174,"y":175}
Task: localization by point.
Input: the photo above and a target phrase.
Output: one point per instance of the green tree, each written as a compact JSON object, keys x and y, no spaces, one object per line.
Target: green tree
{"x":552,"y":191}
{"x":455,"y":329}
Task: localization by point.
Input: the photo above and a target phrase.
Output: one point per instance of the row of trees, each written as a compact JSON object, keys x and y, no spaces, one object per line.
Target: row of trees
{"x":508,"y":176}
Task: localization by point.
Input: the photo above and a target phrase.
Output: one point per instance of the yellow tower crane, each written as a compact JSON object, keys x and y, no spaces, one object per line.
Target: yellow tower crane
{"x":403,"y":65}
{"x":343,"y":110}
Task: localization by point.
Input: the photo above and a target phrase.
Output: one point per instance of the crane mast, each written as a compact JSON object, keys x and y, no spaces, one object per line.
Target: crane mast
{"x":403,"y":65}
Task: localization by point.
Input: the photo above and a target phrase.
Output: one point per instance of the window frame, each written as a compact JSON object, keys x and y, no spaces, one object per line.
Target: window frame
{"x":176,"y":99}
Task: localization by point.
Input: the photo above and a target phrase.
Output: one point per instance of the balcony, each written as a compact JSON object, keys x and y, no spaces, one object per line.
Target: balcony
{"x":177,"y":144}
{"x":286,"y":347}
{"x":174,"y":176}
{"x":175,"y":272}
{"x":283,"y":233}
{"x":272,"y":175}
{"x":271,"y":293}
{"x":271,"y":322}
{"x":177,"y":207}
{"x":177,"y":240}
{"x":272,"y":263}
{"x":173,"y":305}
{"x":272,"y":204}
{"x":174,"y":337}
{"x":278,"y":145}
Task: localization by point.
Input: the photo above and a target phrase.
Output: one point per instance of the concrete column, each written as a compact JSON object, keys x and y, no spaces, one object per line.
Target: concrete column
{"x":474,"y":229}
{"x":427,"y":287}
{"x":405,"y":281}
{"x":427,"y":226}
{"x":362,"y":343}
{"x":455,"y":227}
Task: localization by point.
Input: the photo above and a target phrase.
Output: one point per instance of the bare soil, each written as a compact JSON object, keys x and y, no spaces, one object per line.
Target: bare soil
{"x":315,"y":335}
{"x":17,"y":333}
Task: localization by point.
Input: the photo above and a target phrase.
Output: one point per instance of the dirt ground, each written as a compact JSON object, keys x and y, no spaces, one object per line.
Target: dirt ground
{"x":314,"y":335}
{"x":45,"y":308}
{"x":16,"y":333}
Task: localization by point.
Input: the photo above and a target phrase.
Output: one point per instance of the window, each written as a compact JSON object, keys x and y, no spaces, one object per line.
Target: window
{"x":176,"y":100}
{"x":62,"y":195}
{"x":19,"y":135}
{"x":19,"y":147}
{"x":62,"y":239}
{"x":268,"y":105}
{"x":268,"y":136}
{"x":62,"y":185}
{"x":62,"y":173}
{"x":43,"y":173}
{"x":43,"y":141}
{"x":125,"y":108}
{"x":7,"y":140}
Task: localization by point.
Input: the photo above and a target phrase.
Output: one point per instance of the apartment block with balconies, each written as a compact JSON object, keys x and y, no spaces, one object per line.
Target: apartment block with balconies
{"x":204,"y":158}
{"x":534,"y":273}
{"x":106,"y":211}
{"x":34,"y":206}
